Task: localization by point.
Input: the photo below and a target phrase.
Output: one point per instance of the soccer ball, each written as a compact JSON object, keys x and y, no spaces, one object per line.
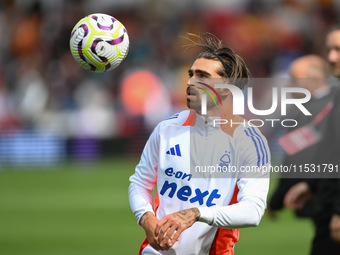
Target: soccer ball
{"x":99,"y":42}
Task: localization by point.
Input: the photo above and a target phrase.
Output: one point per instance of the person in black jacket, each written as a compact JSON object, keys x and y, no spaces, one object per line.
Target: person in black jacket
{"x":308,"y":72}
{"x":325,"y":191}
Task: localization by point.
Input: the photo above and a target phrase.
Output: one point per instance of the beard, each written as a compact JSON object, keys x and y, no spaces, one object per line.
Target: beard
{"x":194,"y":99}
{"x":195,"y":103}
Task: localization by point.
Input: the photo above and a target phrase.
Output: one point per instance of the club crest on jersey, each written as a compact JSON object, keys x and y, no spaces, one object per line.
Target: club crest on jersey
{"x":225,"y":159}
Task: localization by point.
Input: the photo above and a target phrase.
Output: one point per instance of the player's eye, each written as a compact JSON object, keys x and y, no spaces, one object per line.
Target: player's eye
{"x":190,"y":73}
{"x":201,"y":75}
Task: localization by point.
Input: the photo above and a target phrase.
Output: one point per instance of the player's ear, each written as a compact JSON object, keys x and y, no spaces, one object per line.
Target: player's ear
{"x":225,"y":92}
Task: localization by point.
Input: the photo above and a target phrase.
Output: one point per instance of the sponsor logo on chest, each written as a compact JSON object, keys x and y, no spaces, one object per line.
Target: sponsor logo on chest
{"x":186,"y":193}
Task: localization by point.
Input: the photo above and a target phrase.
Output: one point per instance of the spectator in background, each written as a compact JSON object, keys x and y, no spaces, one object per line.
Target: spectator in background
{"x":333,"y":49}
{"x":326,"y":192}
{"x":309,"y":72}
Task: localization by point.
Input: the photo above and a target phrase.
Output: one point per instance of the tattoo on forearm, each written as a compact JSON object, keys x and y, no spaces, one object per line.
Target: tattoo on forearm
{"x":189,"y":216}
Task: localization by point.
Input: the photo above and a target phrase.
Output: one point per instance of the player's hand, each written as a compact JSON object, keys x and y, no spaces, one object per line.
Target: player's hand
{"x":171,"y":226}
{"x":297,"y":196}
{"x":334,"y":227}
{"x":148,"y":222}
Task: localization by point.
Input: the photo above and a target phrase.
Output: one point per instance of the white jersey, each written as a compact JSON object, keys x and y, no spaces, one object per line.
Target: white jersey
{"x":181,"y":157}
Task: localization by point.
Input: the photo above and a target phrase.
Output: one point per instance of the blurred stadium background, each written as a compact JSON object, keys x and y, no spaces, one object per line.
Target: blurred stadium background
{"x":69,"y":139}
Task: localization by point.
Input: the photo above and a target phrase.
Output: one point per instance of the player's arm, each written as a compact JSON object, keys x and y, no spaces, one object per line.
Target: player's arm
{"x":253,"y":151}
{"x":143,"y":181}
{"x":142,"y":184}
{"x":246,"y":213}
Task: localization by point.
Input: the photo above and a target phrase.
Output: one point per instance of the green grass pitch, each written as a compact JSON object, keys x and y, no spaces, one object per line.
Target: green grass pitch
{"x":84,"y":210}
